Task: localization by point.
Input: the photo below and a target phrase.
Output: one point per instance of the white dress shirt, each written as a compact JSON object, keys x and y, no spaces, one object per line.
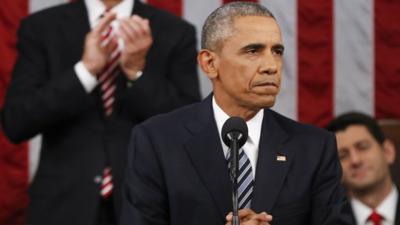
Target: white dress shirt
{"x":387,"y":209}
{"x":251,"y":146}
{"x":95,"y":9}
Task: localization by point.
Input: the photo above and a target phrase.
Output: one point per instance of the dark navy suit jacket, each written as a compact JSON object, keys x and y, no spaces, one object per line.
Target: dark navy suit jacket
{"x":177,"y":173}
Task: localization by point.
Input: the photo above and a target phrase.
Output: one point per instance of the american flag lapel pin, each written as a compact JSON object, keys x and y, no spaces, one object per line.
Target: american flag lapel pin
{"x":281,"y":158}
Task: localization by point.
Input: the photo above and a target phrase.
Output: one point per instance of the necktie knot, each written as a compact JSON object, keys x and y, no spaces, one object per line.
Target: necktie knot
{"x":375,"y":218}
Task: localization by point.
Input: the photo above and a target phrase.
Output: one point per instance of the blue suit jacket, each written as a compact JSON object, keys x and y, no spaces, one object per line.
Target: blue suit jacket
{"x":177,"y":173}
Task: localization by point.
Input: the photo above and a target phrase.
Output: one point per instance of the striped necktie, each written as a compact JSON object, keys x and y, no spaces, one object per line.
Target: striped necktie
{"x":245,"y":179}
{"x":107,"y":84}
{"x":106,"y":183}
{"x":108,"y":76}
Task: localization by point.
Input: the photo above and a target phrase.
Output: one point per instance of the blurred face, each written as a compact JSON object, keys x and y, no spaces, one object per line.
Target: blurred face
{"x":365,"y":162}
{"x":246,"y":71}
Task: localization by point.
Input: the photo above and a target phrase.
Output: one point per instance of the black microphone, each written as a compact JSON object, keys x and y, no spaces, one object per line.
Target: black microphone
{"x":234,"y":128}
{"x":234,"y":134}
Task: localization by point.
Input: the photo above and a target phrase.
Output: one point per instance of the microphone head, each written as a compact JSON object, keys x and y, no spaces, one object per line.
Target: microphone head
{"x":234,"y":127}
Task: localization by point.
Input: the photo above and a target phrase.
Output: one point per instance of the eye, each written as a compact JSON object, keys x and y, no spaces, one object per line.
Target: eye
{"x":252,"y":51}
{"x":343,"y":155}
{"x":364,"y":146}
{"x":278,"y":51}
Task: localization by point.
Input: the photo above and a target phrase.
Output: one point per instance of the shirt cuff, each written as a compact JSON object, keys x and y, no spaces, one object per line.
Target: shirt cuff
{"x":88,"y":80}
{"x":138,"y":74}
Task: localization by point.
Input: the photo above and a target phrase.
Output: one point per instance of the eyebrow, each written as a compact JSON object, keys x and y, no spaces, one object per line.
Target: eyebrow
{"x":258,"y":46}
{"x":255,"y":46}
{"x":362,"y":142}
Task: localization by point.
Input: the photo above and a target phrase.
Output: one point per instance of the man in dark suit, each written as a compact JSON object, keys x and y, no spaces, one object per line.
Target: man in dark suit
{"x":87,"y":72}
{"x":177,"y":168}
{"x":365,"y":155}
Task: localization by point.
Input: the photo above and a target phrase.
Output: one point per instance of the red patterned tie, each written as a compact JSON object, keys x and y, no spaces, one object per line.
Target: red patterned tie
{"x":107,"y":84}
{"x":108,"y":76}
{"x":375,"y":218}
{"x":106,"y":184}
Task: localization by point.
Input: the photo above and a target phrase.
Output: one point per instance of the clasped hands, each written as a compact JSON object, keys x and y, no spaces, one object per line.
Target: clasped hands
{"x":136,"y":35}
{"x":249,"y":217}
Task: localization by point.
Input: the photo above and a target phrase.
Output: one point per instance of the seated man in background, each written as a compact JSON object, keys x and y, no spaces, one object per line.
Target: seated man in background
{"x":366,"y":155}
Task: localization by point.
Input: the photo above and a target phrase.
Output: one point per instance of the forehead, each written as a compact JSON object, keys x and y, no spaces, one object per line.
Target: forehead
{"x":352,"y":134}
{"x":256,"y":28}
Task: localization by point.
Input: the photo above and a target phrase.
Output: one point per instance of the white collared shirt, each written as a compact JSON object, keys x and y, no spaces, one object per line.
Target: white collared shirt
{"x":251,"y":147}
{"x":387,"y":209}
{"x":95,"y":9}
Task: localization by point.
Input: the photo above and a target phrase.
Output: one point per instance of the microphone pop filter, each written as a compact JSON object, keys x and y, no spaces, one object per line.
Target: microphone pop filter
{"x":234,"y":126}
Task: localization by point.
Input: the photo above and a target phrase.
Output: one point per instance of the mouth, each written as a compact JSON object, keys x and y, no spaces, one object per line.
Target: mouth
{"x":359,"y":174}
{"x":266,"y":84}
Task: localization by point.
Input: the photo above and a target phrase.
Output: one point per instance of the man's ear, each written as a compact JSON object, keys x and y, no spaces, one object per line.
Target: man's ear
{"x":208,"y":62}
{"x":389,"y":150}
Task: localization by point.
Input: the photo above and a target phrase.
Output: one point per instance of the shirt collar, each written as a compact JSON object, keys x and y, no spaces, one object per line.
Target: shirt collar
{"x":387,"y":208}
{"x":254,"y":124}
{"x":96,"y":8}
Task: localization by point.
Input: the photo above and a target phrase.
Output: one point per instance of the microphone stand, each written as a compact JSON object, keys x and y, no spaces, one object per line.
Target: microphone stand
{"x":234,"y":171}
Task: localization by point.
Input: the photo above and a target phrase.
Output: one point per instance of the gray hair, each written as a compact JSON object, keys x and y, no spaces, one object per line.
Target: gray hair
{"x":219,"y":24}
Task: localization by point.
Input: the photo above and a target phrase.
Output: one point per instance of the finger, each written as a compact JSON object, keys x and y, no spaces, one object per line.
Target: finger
{"x":141,"y":31}
{"x":112,"y":45}
{"x":243,"y":213}
{"x":264,"y":223}
{"x":229,"y":217}
{"x":106,"y":39}
{"x":130,"y":33}
{"x":142,"y":24}
{"x":250,"y":222}
{"x":123,"y":34}
{"x":104,"y":23}
{"x":262,"y":217}
{"x":135,"y":28}
{"x":134,"y":25}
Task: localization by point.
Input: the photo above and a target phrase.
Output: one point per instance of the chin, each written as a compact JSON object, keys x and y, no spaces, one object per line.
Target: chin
{"x":259,"y":106}
{"x":257,"y":103}
{"x":267,"y":103}
{"x":362,"y":186}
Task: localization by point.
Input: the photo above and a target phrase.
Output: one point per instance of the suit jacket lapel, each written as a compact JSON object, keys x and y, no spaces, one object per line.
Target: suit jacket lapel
{"x":206,"y":154}
{"x":349,"y":210}
{"x":142,"y":10}
{"x":271,"y":172}
{"x":75,"y":26}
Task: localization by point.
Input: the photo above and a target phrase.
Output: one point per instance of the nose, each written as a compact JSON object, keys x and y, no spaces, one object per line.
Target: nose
{"x":355,"y":159}
{"x":269,"y":64}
